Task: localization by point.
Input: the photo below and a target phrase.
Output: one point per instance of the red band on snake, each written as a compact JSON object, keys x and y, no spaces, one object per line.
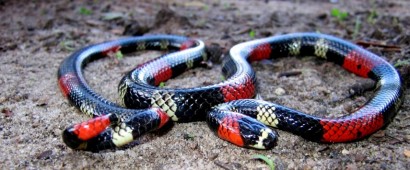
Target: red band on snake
{"x":250,"y":129}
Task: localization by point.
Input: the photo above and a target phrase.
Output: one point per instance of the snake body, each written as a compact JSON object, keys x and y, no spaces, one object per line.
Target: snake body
{"x":226,"y":106}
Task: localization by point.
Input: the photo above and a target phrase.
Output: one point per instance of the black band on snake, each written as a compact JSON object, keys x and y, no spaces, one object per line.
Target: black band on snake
{"x":226,"y":106}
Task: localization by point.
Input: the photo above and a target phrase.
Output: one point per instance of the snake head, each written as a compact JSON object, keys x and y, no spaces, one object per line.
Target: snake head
{"x":242,"y":130}
{"x":257,"y":135}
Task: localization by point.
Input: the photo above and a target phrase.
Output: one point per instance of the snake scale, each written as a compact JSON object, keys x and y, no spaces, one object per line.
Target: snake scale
{"x":226,"y":106}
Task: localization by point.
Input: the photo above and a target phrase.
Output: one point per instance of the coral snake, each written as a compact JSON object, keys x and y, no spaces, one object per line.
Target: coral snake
{"x":226,"y":106}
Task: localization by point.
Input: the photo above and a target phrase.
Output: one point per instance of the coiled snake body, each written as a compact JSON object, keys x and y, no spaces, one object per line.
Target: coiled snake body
{"x":226,"y":106}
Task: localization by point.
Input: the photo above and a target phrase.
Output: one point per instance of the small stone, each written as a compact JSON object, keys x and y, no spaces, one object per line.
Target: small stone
{"x":322,"y":148}
{"x":407,"y":138}
{"x":2,"y":99}
{"x":56,"y":132}
{"x":43,"y":101}
{"x":407,"y":153}
{"x":280,"y":91}
{"x":345,"y":152}
{"x":213,"y":156}
{"x":7,"y":112}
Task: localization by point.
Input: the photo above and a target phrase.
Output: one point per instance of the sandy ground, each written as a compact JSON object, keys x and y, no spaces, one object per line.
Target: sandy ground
{"x":36,"y":36}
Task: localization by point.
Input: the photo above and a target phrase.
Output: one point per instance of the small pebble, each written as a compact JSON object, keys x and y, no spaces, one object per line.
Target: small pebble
{"x":7,"y":112}
{"x":407,"y":153}
{"x":2,"y":99}
{"x":213,"y":156}
{"x":345,"y":152}
{"x":280,"y":91}
{"x":407,"y":137}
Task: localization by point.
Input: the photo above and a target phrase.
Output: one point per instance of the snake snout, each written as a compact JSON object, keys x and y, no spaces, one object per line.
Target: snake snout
{"x":271,"y":140}
{"x":72,"y":140}
{"x":266,"y":139}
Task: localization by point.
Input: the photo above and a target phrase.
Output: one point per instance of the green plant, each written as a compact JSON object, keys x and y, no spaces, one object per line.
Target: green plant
{"x":252,"y":33}
{"x":85,"y":11}
{"x":371,"y":19}
{"x":338,"y":14}
{"x":119,"y":55}
{"x":161,"y":85}
{"x":357,"y":26}
{"x":264,"y":158}
{"x":401,"y":63}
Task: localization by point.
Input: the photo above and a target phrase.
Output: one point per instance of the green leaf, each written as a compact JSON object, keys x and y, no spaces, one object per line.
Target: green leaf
{"x":119,"y":55}
{"x":264,"y":158}
{"x":335,"y":12}
{"x":252,"y":33}
{"x":372,"y":17}
{"x":162,"y":84}
{"x":85,"y":11}
{"x":344,"y":15}
{"x":340,"y":15}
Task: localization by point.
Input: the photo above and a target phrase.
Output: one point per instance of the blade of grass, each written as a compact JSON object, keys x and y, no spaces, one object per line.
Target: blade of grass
{"x":401,"y":63}
{"x":67,"y":45}
{"x":264,"y":158}
{"x":357,"y":25}
{"x":119,"y":55}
